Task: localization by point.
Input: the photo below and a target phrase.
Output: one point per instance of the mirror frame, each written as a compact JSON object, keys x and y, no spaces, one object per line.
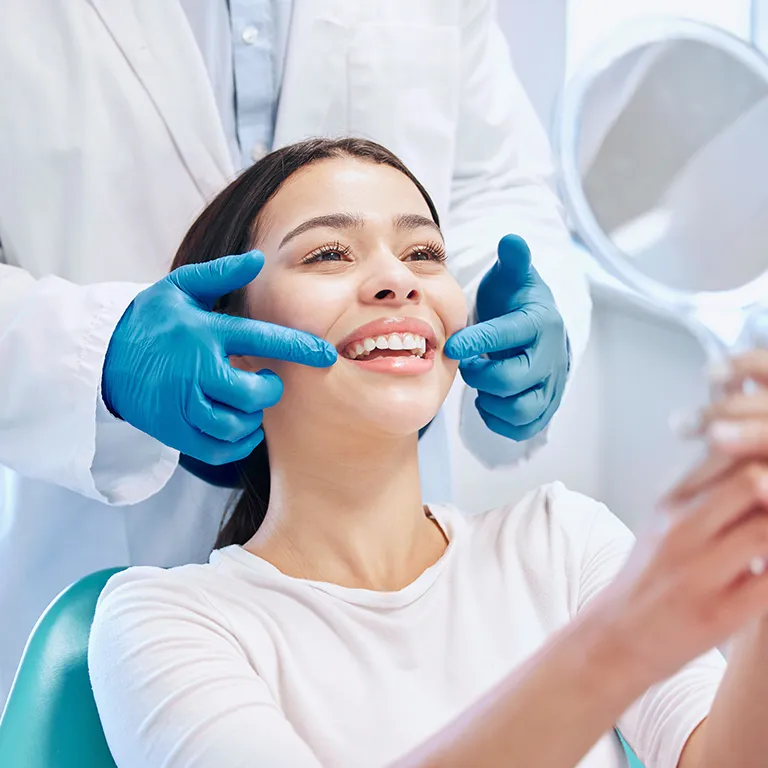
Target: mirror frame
{"x":566,"y":141}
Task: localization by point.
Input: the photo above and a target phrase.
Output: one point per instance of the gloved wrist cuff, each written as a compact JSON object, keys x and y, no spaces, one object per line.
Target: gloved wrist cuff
{"x":105,"y":400}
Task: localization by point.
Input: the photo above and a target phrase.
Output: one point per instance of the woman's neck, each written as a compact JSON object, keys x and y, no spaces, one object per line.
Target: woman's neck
{"x":347,"y":509}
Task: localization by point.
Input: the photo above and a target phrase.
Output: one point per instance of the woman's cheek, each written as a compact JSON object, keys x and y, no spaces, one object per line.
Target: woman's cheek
{"x":306,"y":303}
{"x":274,"y":302}
{"x":451,"y":306}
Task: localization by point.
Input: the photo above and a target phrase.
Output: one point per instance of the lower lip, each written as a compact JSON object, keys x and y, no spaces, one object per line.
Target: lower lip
{"x":402,"y":366}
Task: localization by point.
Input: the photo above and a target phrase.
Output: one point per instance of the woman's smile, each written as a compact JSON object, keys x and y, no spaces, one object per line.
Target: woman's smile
{"x":395,"y":345}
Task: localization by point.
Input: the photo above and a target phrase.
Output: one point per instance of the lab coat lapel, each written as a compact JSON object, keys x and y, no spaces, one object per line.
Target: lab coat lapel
{"x":313,"y":97}
{"x":148,"y":31}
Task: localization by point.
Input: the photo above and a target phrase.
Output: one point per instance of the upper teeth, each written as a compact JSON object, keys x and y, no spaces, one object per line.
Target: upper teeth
{"x":417,"y":344}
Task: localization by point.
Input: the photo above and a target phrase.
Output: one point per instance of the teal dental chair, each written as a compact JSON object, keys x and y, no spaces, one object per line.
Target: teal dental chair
{"x":50,"y":719}
{"x":632,"y":761}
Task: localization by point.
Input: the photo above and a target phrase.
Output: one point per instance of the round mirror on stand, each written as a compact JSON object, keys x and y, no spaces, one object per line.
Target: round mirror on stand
{"x":662,"y":143}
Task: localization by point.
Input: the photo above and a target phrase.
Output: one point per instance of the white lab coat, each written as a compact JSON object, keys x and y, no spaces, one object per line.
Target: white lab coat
{"x":111,"y":143}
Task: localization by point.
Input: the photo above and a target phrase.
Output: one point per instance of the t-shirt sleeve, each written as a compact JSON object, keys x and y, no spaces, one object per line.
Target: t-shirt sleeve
{"x":659,"y":724}
{"x":173,"y":687}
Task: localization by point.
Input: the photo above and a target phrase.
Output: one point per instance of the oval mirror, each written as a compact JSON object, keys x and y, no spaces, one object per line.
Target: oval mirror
{"x":662,"y":143}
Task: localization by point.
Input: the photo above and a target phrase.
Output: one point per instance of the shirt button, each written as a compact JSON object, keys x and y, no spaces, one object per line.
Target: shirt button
{"x":257,"y":152}
{"x":250,"y":34}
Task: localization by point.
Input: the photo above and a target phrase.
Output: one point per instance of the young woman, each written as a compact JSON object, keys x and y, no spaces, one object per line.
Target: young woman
{"x":342,"y":623}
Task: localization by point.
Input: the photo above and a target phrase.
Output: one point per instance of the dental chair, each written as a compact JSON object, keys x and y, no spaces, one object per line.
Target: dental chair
{"x":632,"y":761}
{"x":50,"y":719}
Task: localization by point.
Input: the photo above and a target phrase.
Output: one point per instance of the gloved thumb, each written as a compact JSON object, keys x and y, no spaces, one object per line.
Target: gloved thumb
{"x":514,"y":262}
{"x":210,"y":280}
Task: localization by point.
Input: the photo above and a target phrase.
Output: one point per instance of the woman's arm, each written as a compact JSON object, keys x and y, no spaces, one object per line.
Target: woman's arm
{"x":551,"y":711}
{"x":735,"y":732}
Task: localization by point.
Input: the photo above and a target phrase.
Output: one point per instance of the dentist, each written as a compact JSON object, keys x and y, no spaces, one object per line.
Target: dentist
{"x":119,"y":122}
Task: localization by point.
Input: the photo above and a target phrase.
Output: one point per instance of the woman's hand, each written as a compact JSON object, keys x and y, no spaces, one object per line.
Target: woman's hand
{"x":736,"y":425}
{"x":691,"y":583}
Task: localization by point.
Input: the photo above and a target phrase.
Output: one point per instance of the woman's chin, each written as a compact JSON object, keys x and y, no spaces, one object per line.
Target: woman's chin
{"x":381,"y":406}
{"x":396,"y":420}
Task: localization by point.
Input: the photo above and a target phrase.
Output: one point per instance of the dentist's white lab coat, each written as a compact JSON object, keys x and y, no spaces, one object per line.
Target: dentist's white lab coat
{"x":111,"y":143}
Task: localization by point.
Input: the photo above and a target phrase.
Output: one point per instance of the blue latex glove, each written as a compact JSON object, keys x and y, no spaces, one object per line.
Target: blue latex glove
{"x":167,"y":371}
{"x":521,"y":381}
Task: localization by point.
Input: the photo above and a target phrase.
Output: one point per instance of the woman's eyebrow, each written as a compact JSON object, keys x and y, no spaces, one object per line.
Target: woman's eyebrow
{"x":415,"y":221}
{"x":331,"y":221}
{"x":357,"y":221}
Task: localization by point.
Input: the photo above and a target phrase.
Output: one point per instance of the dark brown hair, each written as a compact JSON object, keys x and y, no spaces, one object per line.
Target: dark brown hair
{"x":228,"y":226}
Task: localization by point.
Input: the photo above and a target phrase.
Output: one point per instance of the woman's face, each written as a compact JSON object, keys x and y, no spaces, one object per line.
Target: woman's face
{"x":352,"y":256}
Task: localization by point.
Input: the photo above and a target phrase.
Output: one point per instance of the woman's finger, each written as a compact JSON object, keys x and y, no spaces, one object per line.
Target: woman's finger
{"x":729,"y":559}
{"x":741,"y":405}
{"x":750,"y":365}
{"x":711,"y":469}
{"x":747,"y":598}
{"x":720,"y":506}
{"x":747,"y":438}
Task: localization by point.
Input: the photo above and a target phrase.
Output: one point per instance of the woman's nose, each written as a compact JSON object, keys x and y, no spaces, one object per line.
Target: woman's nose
{"x":391,"y":281}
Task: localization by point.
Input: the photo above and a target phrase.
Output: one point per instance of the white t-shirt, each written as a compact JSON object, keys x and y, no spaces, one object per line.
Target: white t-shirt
{"x":235,"y":664}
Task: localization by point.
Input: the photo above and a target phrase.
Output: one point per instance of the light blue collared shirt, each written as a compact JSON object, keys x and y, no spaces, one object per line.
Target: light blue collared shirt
{"x":243,"y":43}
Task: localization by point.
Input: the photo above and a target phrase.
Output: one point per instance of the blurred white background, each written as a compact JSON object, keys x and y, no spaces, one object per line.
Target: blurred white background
{"x":611,"y":438}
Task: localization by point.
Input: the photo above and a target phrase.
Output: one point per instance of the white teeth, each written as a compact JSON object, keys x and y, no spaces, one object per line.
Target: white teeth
{"x":410,"y":341}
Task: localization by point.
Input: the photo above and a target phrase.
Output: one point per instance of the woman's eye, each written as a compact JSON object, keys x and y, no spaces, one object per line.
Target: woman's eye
{"x":326,"y":256}
{"x":430,"y":253}
{"x":334,"y":252}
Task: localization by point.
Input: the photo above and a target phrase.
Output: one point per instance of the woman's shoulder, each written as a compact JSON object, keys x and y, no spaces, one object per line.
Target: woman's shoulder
{"x":151,"y":577}
{"x":550,"y":506}
{"x":556,"y":546}
{"x":150,"y":592}
{"x":216,"y":592}
{"x":546,"y":518}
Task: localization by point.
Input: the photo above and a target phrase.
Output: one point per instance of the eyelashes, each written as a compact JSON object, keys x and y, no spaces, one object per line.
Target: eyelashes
{"x":327,"y":251}
{"x":335,"y":251}
{"x":430,"y":251}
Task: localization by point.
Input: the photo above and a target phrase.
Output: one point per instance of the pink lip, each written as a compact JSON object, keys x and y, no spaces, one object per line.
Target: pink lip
{"x":386,"y":325}
{"x":403,"y":366}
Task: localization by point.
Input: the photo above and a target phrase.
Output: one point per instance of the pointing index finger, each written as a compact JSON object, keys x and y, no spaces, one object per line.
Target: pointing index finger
{"x":243,"y":336}
{"x":514,"y":331}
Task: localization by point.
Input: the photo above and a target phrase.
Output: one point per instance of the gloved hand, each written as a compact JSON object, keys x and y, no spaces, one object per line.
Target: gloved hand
{"x":521,"y":381}
{"x":167,"y":371}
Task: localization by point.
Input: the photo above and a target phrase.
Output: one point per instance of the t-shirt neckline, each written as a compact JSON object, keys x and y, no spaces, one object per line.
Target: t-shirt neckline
{"x":443,"y":514}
